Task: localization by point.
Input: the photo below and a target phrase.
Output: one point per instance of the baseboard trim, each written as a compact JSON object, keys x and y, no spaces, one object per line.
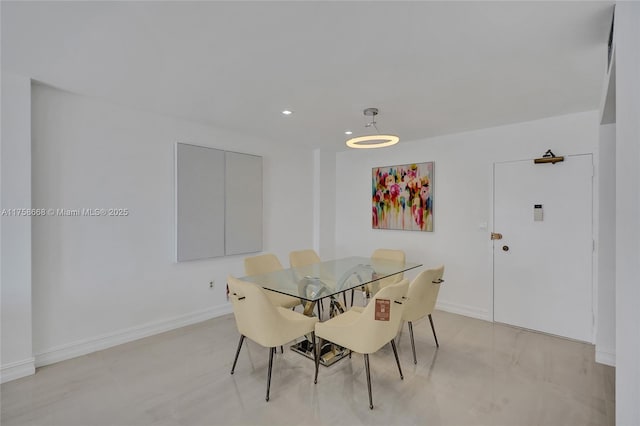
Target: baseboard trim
{"x":606,"y":357}
{"x":87,"y":346}
{"x":468,"y":311}
{"x":17,"y":370}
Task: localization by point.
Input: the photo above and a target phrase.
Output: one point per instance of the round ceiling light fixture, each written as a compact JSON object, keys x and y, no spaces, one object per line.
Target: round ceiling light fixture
{"x":372,"y":141}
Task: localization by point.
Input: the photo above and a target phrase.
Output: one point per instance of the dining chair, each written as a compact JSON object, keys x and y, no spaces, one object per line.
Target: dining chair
{"x":373,"y":287}
{"x":306,"y":257}
{"x":267,"y":325}
{"x":421,"y":301}
{"x":303,"y":258}
{"x":263,"y":264}
{"x":360,"y":331}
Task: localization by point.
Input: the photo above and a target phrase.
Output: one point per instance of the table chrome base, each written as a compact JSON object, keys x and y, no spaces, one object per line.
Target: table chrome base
{"x":329,"y":355}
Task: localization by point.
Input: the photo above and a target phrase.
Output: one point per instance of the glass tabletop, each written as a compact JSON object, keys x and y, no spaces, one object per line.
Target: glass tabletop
{"x":319,"y":280}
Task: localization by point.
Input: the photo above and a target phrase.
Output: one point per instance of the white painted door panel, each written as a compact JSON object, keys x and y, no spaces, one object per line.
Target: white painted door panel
{"x":544,"y":281}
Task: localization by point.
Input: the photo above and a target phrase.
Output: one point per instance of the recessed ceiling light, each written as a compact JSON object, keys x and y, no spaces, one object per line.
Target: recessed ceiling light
{"x":287,"y":112}
{"x":348,"y":132}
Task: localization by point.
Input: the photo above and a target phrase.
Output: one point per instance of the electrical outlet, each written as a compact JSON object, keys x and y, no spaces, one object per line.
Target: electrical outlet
{"x":211,"y":284}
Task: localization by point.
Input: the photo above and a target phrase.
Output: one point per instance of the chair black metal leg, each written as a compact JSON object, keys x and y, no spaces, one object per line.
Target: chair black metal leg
{"x":316,"y":354}
{"x":281,"y":349}
{"x":344,"y":297}
{"x":366,"y":367}
{"x":237,"y":353}
{"x":395,"y":352}
{"x":271,"y":352}
{"x":353,"y":292}
{"x":413,"y":345}
{"x":434,"y":331}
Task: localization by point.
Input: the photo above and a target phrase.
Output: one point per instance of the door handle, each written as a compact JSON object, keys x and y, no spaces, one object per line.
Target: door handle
{"x":496,"y":236}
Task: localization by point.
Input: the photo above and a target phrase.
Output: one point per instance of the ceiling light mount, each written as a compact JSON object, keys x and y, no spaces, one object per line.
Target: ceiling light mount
{"x":370,"y":112}
{"x":372,"y":141}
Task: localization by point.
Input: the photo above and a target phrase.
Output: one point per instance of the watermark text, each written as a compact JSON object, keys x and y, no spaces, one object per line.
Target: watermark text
{"x":61,"y":212}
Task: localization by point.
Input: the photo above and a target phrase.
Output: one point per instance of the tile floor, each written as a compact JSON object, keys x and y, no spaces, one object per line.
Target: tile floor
{"x":482,"y":374}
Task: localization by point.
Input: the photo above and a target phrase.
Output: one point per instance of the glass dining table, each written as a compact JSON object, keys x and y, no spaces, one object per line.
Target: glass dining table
{"x":326,"y":281}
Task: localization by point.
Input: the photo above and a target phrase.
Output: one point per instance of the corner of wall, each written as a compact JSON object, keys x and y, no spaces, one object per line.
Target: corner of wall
{"x":606,"y":356}
{"x":16,"y":308}
{"x":17,"y":370}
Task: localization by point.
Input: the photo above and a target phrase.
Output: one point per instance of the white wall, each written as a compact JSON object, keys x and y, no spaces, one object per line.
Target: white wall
{"x":463,"y":199}
{"x":627,"y":39}
{"x":16,"y":354}
{"x":606,"y":248}
{"x":324,"y":207}
{"x":100,"y":281}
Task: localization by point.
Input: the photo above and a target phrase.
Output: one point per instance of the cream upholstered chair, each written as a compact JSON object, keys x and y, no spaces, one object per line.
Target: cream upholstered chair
{"x":421,"y":300}
{"x":267,"y":325}
{"x":303,"y":258}
{"x":359,"y":331}
{"x":263,"y":264}
{"x":388,"y":254}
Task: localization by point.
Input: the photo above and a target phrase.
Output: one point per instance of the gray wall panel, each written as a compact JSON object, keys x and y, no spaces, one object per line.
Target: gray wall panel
{"x":218,"y":202}
{"x":200,"y":202}
{"x":243,"y":217}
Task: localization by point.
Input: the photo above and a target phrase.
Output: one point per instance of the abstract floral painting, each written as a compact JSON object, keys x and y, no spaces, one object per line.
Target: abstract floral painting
{"x":402,"y":197}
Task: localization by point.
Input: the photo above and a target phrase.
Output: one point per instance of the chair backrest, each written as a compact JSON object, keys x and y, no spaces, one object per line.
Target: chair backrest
{"x":303,"y":258}
{"x":262,"y":264}
{"x":423,"y":293}
{"x":374,"y":334}
{"x":256,"y":317}
{"x":388,"y":254}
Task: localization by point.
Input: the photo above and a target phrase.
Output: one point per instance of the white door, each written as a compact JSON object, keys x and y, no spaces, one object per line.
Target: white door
{"x":543,"y":264}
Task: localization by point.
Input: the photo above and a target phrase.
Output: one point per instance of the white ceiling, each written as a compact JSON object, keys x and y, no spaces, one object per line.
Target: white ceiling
{"x":432,"y":68}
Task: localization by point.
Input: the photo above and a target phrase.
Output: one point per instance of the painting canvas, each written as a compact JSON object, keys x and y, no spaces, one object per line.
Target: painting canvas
{"x":402,"y":197}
